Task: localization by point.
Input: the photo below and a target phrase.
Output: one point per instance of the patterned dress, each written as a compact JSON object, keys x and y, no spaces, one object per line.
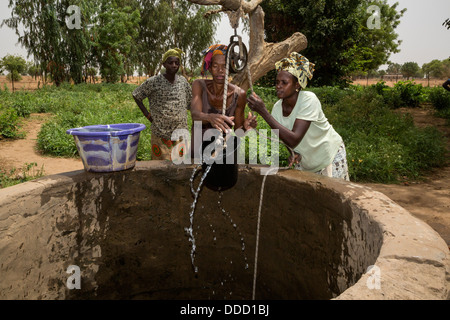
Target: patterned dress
{"x":168,"y":105}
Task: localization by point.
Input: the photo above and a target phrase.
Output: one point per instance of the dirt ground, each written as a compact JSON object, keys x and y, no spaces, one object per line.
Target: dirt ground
{"x":428,"y":199}
{"x":28,"y":83}
{"x":18,"y":153}
{"x":391,"y":82}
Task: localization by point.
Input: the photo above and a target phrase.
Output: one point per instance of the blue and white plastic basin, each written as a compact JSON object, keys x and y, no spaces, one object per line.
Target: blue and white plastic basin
{"x":107,"y":148}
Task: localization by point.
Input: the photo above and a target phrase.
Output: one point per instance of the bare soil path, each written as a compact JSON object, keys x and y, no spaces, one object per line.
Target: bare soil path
{"x":428,"y":200}
{"x":17,"y":153}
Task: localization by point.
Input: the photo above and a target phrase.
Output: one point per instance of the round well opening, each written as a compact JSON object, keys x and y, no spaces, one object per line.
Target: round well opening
{"x":126,"y":231}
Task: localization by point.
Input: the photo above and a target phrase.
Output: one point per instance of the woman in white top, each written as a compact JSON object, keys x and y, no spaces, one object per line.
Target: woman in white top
{"x":301,"y":123}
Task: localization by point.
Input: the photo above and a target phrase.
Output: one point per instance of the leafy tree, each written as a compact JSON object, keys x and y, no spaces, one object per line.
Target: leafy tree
{"x":446,"y":67}
{"x":339,"y":41}
{"x":116,"y":31}
{"x":410,"y":69}
{"x":153,"y":33}
{"x":374,"y":45}
{"x":191,"y":31}
{"x":113,"y":36}
{"x":61,"y":50}
{"x":15,"y":65}
{"x":394,"y":68}
{"x":80,"y":41}
{"x":184,"y":26}
{"x":434,"y":69}
{"x":34,"y":70}
{"x":91,"y":74}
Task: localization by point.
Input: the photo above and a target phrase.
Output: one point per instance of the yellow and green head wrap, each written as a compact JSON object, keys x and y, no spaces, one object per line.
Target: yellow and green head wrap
{"x":298,"y":66}
{"x":172,"y":53}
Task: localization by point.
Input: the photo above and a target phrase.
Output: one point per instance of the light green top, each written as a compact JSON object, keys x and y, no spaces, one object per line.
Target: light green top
{"x":321,"y":142}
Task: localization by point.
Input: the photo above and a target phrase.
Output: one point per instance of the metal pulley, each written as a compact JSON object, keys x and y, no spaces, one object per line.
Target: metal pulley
{"x":237,"y":52}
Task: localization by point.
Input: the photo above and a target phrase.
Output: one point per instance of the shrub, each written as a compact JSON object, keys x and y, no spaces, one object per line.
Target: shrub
{"x":411,"y":94}
{"x":330,"y":95}
{"x":383,"y":146}
{"x":403,"y":94}
{"x":439,"y":98}
{"x":380,"y":87}
{"x":9,"y":123}
{"x":14,"y":176}
{"x":22,"y":103}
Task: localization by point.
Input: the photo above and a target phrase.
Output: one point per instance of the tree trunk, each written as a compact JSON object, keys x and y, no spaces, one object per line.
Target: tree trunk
{"x":262,"y":56}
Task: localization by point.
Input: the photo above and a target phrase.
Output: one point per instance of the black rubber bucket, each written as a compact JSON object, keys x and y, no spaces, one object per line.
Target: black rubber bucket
{"x":222,"y":176}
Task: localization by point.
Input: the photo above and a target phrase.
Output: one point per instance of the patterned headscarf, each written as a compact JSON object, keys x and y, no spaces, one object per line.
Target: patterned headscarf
{"x":172,"y":53}
{"x":298,"y":66}
{"x":210,"y":53}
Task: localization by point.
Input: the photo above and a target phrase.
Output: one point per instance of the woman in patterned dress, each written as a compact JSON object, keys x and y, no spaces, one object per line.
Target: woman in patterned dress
{"x":169,"y":96}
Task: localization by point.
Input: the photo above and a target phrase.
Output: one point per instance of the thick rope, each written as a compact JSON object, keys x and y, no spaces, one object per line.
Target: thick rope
{"x":234,"y":21}
{"x":255,"y":272}
{"x":225,"y":88}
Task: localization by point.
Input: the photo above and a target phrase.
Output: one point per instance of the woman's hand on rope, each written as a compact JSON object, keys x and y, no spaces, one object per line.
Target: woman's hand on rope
{"x":294,"y":159}
{"x":250,"y":122}
{"x":255,"y":103}
{"x":221,"y":122}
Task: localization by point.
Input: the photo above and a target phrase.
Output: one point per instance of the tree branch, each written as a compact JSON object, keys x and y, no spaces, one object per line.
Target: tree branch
{"x":250,"y":6}
{"x":262,"y":55}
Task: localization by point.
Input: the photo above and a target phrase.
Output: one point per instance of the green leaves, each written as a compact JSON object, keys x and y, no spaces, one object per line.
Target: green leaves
{"x":15,"y":65}
{"x":14,"y":176}
{"x":9,"y":123}
{"x":339,"y":41}
{"x":115,"y":37}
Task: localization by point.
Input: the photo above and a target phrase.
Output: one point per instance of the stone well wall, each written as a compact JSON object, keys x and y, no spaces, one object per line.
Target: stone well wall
{"x":126,"y":231}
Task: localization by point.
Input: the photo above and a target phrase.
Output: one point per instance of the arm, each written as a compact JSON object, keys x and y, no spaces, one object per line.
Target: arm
{"x":240,"y":121}
{"x":189,"y":95}
{"x":291,"y":138}
{"x":446,"y":85}
{"x":143,"y":109}
{"x":139,"y":95}
{"x":217,"y":121}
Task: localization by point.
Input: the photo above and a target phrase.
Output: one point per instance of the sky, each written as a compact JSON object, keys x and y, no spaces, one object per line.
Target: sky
{"x":421,"y":31}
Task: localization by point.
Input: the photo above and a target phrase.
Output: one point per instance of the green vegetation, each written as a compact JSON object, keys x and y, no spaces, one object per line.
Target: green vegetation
{"x":9,"y":123}
{"x":113,"y":38}
{"x":13,"y":177}
{"x":383,"y":145}
{"x":15,"y":65}
{"x":339,"y":38}
{"x":440,"y":100}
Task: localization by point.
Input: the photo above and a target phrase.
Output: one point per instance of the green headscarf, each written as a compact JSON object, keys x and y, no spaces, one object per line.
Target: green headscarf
{"x":298,"y":66}
{"x":172,"y":53}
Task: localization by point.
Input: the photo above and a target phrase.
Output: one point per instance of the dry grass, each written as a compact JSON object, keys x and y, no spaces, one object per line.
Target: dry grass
{"x":391,"y":83}
{"x":29,"y":83}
